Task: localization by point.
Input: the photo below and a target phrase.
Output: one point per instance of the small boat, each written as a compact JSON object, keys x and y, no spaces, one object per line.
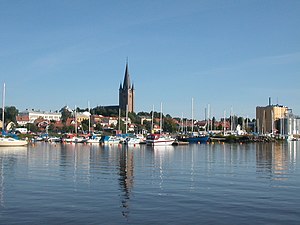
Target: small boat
{"x":94,"y":139}
{"x":110,"y":140}
{"x":54,"y":139}
{"x":10,"y":142}
{"x":71,"y":138}
{"x":159,"y":139}
{"x":194,"y":138}
{"x":137,"y":139}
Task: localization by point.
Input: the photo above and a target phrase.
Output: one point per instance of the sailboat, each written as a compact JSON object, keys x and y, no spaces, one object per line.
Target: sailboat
{"x":8,"y":141}
{"x":193,"y":137}
{"x":159,"y":139}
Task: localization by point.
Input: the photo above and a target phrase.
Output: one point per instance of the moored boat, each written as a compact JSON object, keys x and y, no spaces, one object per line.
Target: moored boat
{"x":10,"y":142}
{"x":110,"y":140}
{"x":71,"y":138}
{"x":159,"y":139}
{"x":194,"y":137}
{"x":94,"y":139}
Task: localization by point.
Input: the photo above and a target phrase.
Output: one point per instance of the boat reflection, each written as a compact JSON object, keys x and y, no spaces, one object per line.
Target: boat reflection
{"x":9,"y":157}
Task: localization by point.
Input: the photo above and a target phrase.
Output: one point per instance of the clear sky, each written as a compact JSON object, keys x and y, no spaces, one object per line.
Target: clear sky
{"x":229,"y":54}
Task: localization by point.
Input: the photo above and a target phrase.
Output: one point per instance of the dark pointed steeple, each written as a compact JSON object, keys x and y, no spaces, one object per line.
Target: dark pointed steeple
{"x":126,"y":83}
{"x":126,"y":92}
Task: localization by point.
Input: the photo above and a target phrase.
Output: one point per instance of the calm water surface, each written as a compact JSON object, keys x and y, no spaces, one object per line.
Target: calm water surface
{"x":195,"y":184}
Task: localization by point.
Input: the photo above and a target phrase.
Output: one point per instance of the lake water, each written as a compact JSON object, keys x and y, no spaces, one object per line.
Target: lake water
{"x":47,"y":183}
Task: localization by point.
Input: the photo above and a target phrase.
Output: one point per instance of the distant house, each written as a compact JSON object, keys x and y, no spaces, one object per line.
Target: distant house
{"x":81,"y":116}
{"x":109,"y":121}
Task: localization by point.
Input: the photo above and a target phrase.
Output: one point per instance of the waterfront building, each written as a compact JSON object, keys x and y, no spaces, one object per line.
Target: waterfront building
{"x":126,"y":93}
{"x":81,"y":116}
{"x":290,"y":126}
{"x":29,"y":116}
{"x":268,"y":118}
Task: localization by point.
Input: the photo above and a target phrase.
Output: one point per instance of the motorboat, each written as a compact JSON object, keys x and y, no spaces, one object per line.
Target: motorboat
{"x":159,"y":139}
{"x":110,"y":140}
{"x":11,"y":142}
{"x":94,"y":139}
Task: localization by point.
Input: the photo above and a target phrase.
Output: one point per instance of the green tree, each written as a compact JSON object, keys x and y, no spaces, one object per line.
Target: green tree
{"x":122,"y":126}
{"x":32,"y":127}
{"x":10,"y":113}
{"x":240,"y":121}
{"x":213,"y":123}
{"x":65,"y":114}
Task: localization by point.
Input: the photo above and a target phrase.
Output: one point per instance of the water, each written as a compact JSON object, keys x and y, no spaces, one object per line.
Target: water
{"x":196,"y":184}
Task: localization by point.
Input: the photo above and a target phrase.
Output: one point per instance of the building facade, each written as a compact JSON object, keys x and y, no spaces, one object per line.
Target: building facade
{"x":268,"y":118}
{"x":126,"y":93}
{"x":29,"y":116}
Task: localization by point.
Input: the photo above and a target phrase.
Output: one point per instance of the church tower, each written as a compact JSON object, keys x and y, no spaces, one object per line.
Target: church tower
{"x":126,"y":93}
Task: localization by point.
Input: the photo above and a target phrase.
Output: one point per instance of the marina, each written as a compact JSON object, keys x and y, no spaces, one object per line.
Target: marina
{"x":68,"y":183}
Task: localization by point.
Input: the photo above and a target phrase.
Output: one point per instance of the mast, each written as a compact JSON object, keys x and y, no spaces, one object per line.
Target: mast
{"x":119,"y":127}
{"x":126,"y":129}
{"x":75,"y":116}
{"x":89,"y":117}
{"x":208,"y":116}
{"x":3,"y":107}
{"x":152,"y":117}
{"x":192,"y":115}
{"x":182,"y":128}
{"x":224,"y":121}
{"x":272,"y":121}
{"x":231,"y":118}
{"x":161,"y":118}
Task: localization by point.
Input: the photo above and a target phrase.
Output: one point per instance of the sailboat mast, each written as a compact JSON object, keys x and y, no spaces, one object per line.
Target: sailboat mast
{"x":126,"y":130}
{"x":89,"y":116}
{"x":152,"y":118}
{"x":192,"y":115}
{"x":161,"y":117}
{"x":119,"y":127}
{"x":208,"y":117}
{"x":3,"y":107}
{"x":75,"y":116}
{"x":182,"y":128}
{"x":224,"y":121}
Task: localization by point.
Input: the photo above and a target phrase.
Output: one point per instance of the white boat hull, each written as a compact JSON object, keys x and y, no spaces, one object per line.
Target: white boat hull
{"x":10,"y":142}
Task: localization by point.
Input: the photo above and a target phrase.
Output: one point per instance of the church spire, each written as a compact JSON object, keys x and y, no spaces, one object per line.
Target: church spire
{"x":126,"y":83}
{"x":126,"y":93}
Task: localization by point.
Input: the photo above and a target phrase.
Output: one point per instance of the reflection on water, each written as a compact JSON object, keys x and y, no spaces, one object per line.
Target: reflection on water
{"x":8,"y":161}
{"x":213,"y":183}
{"x":126,"y":178}
{"x":276,"y":160}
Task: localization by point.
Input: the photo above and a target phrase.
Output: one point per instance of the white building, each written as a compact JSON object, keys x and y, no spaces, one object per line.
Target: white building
{"x":29,"y":116}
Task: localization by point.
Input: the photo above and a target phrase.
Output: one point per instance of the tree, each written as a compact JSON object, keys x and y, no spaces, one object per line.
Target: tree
{"x":169,"y":125}
{"x":213,"y":123}
{"x":240,"y":121}
{"x":32,"y":127}
{"x":65,"y":114}
{"x":11,"y":113}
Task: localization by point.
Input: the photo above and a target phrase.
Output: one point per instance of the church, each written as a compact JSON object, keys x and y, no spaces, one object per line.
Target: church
{"x":126,"y":93}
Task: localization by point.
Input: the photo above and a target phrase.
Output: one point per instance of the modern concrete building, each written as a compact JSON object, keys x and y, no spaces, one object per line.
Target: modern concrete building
{"x":126,"y":93}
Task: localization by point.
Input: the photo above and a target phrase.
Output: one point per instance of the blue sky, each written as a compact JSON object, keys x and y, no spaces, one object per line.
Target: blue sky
{"x":229,"y":54}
